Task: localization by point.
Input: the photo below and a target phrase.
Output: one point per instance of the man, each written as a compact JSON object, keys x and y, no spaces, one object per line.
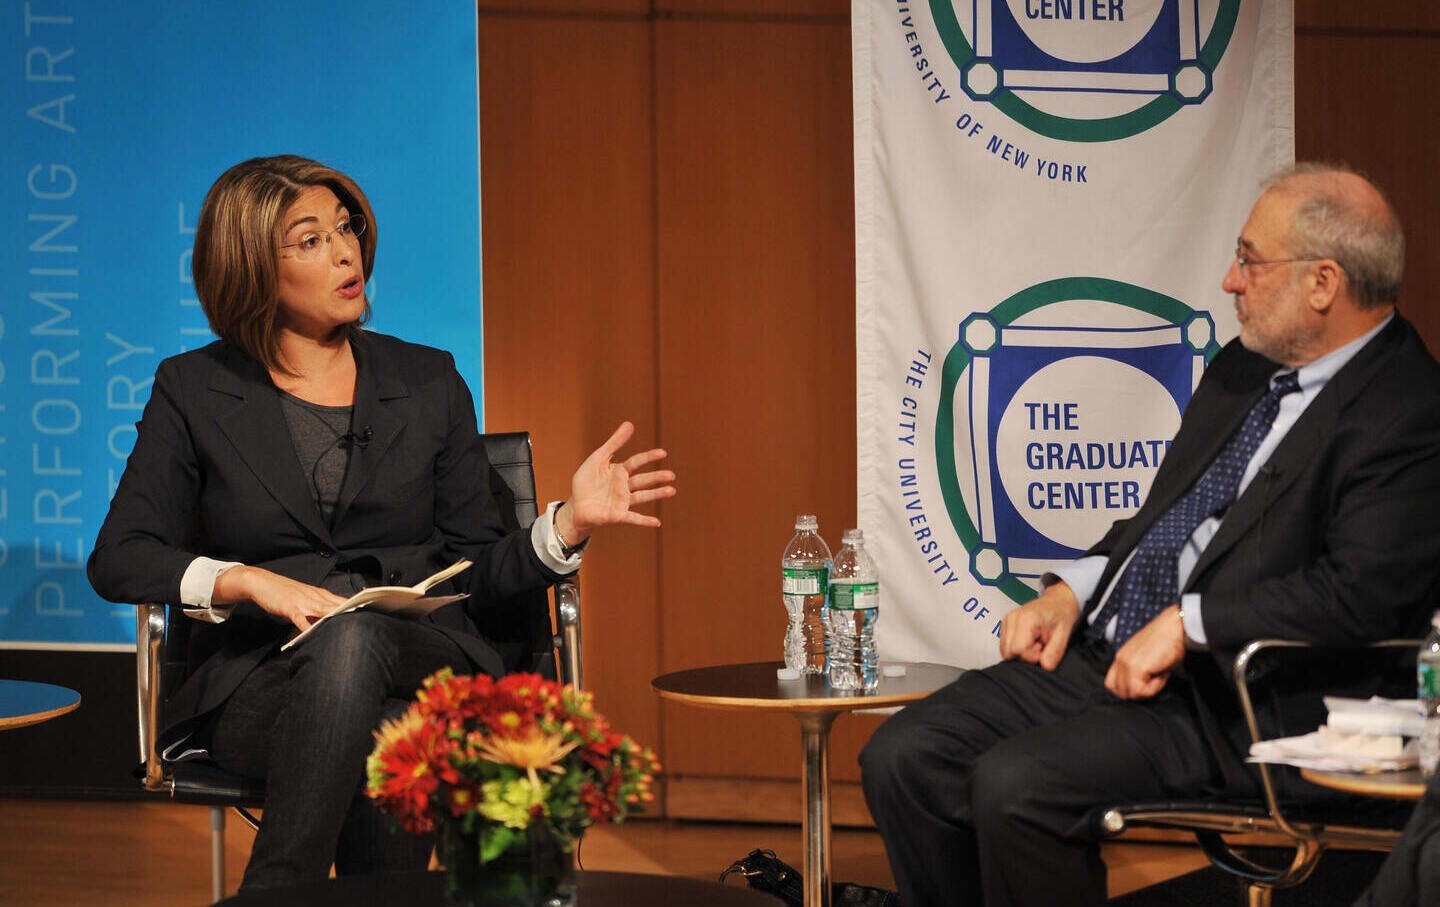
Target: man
{"x":1300,"y":499}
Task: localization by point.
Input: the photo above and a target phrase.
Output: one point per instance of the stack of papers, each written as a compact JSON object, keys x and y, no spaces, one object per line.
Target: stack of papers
{"x":1360,"y":736}
{"x":1375,"y":715}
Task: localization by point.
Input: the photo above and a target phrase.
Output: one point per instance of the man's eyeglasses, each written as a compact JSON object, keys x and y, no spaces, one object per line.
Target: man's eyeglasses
{"x":1246,"y":262}
{"x":308,"y":248}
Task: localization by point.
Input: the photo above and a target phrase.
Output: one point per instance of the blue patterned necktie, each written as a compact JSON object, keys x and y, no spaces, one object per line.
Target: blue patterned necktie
{"x":1150,"y":583}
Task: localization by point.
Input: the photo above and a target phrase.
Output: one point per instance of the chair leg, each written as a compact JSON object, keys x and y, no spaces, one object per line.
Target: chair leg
{"x":217,"y":853}
{"x":1258,"y":895}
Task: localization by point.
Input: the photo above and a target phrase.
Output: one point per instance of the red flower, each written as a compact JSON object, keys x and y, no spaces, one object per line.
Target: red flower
{"x":403,"y":768}
{"x":462,"y":800}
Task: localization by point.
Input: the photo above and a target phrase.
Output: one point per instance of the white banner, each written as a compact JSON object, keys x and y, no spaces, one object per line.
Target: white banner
{"x":1048,"y":193}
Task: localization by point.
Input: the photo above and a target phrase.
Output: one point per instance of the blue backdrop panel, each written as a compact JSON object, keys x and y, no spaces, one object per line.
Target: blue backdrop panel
{"x":122,"y":116}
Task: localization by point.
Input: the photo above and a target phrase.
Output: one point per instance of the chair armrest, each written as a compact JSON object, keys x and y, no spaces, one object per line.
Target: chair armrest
{"x":1247,"y":654}
{"x":1242,"y":685}
{"x":567,"y":637}
{"x":149,"y":635}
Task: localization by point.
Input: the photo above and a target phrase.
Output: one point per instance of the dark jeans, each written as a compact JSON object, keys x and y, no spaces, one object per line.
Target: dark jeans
{"x":980,"y":791}
{"x":303,"y":720}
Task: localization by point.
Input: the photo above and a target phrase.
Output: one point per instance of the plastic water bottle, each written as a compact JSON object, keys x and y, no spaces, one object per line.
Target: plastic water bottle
{"x":853,"y":608}
{"x":1427,"y":676}
{"x":804,"y":572}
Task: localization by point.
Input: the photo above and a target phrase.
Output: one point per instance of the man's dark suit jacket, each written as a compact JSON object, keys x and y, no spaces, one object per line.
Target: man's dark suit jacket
{"x":214,"y":472}
{"x":1337,"y":539}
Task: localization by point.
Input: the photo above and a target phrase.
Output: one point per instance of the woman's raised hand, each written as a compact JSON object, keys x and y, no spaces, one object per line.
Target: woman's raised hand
{"x":603,"y":492}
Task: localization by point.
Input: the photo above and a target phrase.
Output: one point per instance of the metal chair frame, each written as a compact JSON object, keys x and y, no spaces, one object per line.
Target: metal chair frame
{"x":1209,"y":822}
{"x":152,"y":623}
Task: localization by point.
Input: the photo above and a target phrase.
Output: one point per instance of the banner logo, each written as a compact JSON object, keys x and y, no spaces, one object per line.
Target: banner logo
{"x":1086,"y":70}
{"x":1055,"y":410}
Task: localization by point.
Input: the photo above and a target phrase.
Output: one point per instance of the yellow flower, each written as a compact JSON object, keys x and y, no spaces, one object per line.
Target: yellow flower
{"x":534,"y":750}
{"x":511,"y":803}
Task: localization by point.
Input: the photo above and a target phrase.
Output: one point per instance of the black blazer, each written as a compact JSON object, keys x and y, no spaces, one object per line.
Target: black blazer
{"x":1336,"y":541}
{"x":214,"y":473}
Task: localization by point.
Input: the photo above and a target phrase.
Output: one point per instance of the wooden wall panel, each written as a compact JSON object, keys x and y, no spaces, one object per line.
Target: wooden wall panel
{"x":1371,"y":15}
{"x":569,"y":265}
{"x":1363,"y":99}
{"x":563,"y":9}
{"x":779,"y":9}
{"x":757,"y":345}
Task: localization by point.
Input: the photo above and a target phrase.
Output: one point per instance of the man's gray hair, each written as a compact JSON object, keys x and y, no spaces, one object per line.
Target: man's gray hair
{"x":1330,"y":222}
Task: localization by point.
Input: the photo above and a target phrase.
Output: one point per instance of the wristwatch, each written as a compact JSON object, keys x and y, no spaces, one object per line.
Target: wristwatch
{"x":566,"y":549}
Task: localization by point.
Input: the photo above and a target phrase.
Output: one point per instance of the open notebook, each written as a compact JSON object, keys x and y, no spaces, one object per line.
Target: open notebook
{"x":404,"y":601}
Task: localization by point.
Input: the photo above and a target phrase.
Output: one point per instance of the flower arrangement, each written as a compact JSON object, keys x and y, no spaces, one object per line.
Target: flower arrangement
{"x":496,"y":763}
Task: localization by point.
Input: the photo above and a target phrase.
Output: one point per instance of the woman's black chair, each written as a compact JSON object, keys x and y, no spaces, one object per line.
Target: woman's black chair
{"x":1310,"y":828}
{"x":528,"y":644}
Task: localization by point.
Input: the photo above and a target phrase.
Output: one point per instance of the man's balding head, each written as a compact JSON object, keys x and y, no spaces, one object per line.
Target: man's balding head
{"x":1340,"y":215}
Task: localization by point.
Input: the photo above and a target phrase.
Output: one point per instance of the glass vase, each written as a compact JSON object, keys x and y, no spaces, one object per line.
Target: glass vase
{"x":535,"y":872}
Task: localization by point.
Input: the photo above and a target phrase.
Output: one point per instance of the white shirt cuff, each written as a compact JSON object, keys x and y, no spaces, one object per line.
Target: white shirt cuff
{"x":547,"y":543}
{"x":1194,"y":626}
{"x":197,"y":587}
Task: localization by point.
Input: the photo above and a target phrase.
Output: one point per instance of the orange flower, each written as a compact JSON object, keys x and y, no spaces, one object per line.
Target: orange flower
{"x":533,"y":750}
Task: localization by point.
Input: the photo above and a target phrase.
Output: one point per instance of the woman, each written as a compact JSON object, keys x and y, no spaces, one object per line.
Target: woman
{"x":293,"y":462}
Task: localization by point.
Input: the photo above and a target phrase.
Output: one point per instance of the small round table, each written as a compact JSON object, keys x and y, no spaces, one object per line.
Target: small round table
{"x":1402,"y":785}
{"x":754,"y":687}
{"x":24,"y":702}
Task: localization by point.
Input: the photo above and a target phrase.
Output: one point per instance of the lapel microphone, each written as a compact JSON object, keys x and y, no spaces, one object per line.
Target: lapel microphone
{"x":351,"y":440}
{"x":360,"y":438}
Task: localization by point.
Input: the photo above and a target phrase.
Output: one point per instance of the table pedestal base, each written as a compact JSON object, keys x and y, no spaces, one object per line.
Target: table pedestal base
{"x":814,"y":739}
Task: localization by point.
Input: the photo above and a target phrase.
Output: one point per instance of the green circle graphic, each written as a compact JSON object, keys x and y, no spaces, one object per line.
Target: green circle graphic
{"x":1063,"y":289}
{"x":1105,"y":129}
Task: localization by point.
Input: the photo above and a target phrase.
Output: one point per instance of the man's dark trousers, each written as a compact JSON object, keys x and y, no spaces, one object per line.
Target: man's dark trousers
{"x":984,"y":786}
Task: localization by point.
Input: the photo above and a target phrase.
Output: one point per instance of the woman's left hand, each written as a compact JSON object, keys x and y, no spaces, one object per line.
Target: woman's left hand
{"x":602,"y":492}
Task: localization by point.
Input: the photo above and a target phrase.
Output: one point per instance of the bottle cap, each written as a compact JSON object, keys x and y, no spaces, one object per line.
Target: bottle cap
{"x":853,"y":537}
{"x":806,"y":521}
{"x":787,"y":674}
{"x":893,"y":670}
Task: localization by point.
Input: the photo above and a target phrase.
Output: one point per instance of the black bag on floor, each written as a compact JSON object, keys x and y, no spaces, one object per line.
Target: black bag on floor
{"x":768,"y":873}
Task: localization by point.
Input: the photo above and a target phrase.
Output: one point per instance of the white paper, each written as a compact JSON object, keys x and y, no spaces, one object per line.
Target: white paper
{"x":408,"y":601}
{"x":1375,"y":715}
{"x":1327,"y":749}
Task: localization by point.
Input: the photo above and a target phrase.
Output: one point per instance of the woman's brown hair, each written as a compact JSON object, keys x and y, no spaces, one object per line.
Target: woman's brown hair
{"x":236,"y":261}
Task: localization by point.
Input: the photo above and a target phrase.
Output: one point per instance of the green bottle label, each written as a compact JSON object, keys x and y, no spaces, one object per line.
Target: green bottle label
{"x":803,"y":581}
{"x":1429,"y":681}
{"x":854,"y":596}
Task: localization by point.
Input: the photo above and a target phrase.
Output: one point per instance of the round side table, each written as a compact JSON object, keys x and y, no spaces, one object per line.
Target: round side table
{"x":754,"y":687}
{"x":1402,"y":785}
{"x":24,"y":702}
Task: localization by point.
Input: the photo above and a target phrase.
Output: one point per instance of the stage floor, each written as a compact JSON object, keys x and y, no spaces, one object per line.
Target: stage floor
{"x":56,"y":852}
